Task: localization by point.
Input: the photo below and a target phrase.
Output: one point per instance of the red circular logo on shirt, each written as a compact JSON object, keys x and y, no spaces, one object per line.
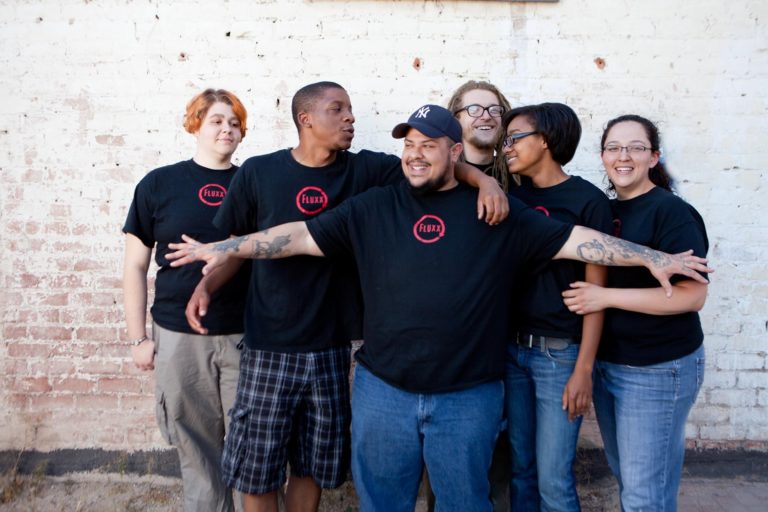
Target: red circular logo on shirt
{"x":311,"y":200}
{"x":429,"y":229}
{"x":542,"y":210}
{"x":212,"y":194}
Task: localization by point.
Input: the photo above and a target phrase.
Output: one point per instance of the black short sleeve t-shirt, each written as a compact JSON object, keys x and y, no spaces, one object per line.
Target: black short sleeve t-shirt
{"x":539,"y":309}
{"x":303,"y":303}
{"x":660,"y":220}
{"x":182,"y":199}
{"x":436,"y":280}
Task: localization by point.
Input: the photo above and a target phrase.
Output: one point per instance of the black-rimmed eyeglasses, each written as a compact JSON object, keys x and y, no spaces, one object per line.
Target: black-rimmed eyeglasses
{"x":476,"y":110}
{"x":510,"y":140}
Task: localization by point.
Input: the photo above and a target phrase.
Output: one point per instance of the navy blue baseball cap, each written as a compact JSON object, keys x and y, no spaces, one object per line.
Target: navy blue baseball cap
{"x":432,"y":121}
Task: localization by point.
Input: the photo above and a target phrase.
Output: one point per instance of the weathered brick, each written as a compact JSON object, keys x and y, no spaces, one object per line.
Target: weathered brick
{"x":73,"y":150}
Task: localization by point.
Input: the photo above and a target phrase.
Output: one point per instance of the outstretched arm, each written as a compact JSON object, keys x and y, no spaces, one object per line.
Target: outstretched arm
{"x":592,"y":246}
{"x":281,"y":241}
{"x":492,"y":202}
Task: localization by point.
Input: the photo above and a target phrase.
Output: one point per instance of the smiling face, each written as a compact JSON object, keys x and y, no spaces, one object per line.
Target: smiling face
{"x":628,"y":171}
{"x":428,"y":162}
{"x":219,"y":133}
{"x":330,"y":120}
{"x":481,"y":132}
{"x":527,"y":154}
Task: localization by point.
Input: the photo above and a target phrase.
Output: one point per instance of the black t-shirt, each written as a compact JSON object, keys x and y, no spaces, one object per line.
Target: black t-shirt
{"x":540,"y":309}
{"x":182,"y":199}
{"x":436,"y":280}
{"x":660,"y":220}
{"x":303,"y":303}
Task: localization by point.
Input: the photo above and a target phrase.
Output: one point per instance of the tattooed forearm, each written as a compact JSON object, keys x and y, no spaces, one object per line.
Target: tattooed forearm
{"x":613,"y":251}
{"x":270,"y":249}
{"x":231,"y":245}
{"x":629,"y":249}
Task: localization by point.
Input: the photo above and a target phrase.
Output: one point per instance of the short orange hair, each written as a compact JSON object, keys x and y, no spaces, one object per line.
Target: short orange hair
{"x":198,"y":107}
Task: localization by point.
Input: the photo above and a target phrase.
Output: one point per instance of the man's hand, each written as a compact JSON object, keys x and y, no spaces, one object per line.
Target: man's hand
{"x":663,"y":266}
{"x":577,"y":395}
{"x":492,"y":202}
{"x":584,"y":298}
{"x":214,"y":254}
{"x":143,"y":355}
{"x":197,"y":307}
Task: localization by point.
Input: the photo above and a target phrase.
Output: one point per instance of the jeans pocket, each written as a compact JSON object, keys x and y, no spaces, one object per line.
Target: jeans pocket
{"x":566,"y":356}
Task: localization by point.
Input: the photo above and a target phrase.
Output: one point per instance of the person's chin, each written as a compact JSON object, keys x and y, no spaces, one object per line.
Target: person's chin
{"x":422,"y":188}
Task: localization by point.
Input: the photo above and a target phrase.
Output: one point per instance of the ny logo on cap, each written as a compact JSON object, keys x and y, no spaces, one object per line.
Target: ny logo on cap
{"x":422,"y":112}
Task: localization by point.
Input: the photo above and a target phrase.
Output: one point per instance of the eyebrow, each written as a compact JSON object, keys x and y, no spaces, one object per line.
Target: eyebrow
{"x":630,"y":142}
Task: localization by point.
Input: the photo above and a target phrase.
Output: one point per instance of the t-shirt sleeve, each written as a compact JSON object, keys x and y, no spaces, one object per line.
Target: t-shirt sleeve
{"x":140,"y":221}
{"x":237,"y":214}
{"x":539,"y":238}
{"x":331,"y":231}
{"x":386,"y":168}
{"x":682,"y":228}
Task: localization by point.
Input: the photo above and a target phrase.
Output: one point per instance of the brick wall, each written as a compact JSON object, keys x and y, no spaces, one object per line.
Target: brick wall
{"x":93,"y":97}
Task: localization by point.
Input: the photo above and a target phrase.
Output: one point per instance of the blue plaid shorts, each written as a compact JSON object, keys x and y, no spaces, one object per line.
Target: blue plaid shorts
{"x":290,"y":407}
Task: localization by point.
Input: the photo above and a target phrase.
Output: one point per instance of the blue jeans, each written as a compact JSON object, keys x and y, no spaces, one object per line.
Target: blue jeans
{"x":542,"y":439}
{"x":394,"y":433}
{"x":642,"y":411}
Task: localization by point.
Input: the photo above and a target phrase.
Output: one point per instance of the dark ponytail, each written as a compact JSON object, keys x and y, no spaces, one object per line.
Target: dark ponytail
{"x":657,"y":174}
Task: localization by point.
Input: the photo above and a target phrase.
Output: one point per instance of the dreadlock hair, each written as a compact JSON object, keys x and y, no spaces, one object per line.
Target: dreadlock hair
{"x":455,"y":104}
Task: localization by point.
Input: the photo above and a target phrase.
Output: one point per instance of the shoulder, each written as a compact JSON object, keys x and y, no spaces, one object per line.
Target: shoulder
{"x":163,"y":174}
{"x":369,"y":156}
{"x":670,"y":203}
{"x":261,"y":161}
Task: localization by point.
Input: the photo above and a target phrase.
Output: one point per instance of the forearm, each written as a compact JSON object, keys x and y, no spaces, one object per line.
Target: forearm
{"x":281,"y":241}
{"x":215,"y":280}
{"x":688,"y":296}
{"x":592,"y":324}
{"x":135,"y":301}
{"x":591,"y":246}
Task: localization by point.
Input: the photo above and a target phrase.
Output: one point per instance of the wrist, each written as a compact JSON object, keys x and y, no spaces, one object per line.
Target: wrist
{"x":138,"y":341}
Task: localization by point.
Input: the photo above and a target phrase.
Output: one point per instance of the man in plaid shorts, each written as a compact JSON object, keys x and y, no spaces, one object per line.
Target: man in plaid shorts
{"x":437,"y":286}
{"x":292,"y":400}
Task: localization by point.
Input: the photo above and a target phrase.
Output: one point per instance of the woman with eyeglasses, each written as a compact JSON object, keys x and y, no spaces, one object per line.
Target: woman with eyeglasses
{"x":651,"y":359}
{"x":551,"y":355}
{"x":195,"y":376}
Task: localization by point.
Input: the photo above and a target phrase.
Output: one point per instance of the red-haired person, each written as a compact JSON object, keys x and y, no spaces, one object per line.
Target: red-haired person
{"x":195,"y":375}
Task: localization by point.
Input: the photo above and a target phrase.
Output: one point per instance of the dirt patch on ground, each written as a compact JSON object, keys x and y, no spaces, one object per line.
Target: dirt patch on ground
{"x":100,"y":492}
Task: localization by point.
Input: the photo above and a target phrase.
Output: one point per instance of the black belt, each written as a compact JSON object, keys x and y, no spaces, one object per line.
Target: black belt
{"x":543,"y":342}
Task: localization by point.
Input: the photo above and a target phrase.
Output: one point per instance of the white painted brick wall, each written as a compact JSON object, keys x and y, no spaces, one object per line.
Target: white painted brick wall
{"x":93,"y":93}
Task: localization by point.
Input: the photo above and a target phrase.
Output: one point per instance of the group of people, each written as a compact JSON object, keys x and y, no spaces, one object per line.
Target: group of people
{"x":483,"y":279}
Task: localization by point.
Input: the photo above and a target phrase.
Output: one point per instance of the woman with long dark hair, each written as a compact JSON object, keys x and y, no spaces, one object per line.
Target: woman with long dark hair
{"x":651,"y":358}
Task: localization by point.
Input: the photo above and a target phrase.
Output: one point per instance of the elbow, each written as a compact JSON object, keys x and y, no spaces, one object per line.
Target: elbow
{"x":700,"y":300}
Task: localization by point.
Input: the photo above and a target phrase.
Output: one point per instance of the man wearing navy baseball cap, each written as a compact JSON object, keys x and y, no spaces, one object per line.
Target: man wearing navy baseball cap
{"x":437,"y":284}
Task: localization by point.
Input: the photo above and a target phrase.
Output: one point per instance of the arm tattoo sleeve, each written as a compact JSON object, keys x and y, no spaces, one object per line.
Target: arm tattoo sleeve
{"x":270,"y":249}
{"x":261,"y":249}
{"x":607,"y":250}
